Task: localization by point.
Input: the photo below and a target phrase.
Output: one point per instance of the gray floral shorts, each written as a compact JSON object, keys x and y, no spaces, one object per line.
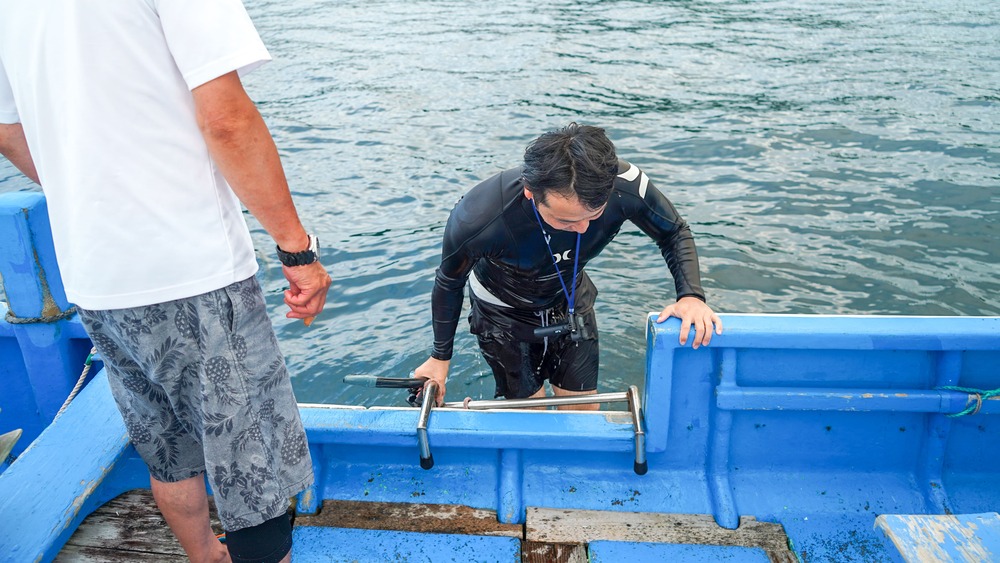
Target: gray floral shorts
{"x":202,"y":387}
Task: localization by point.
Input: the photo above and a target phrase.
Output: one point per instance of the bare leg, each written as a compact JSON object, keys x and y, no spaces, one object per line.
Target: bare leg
{"x":184,"y":506}
{"x":540,"y":394}
{"x":560,"y":392}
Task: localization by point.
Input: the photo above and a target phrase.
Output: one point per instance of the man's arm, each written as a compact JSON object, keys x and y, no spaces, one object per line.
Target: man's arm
{"x":14,"y":146}
{"x":447,"y":298}
{"x":656,"y":216}
{"x":241,"y":146}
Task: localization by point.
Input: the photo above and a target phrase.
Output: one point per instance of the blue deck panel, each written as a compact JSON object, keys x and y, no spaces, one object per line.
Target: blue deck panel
{"x":941,"y":538}
{"x":638,"y":552}
{"x":832,"y":537}
{"x":312,"y":544}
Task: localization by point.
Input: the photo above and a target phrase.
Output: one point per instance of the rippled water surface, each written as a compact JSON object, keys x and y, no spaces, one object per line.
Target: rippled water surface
{"x":832,"y":157}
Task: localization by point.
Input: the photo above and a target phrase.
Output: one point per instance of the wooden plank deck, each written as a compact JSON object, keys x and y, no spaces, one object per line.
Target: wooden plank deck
{"x":557,"y":526}
{"x":130,"y":528}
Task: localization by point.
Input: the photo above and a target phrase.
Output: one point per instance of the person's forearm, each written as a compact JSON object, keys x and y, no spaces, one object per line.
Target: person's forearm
{"x":681,"y":256}
{"x":446,"y":306}
{"x":241,"y":146}
{"x":14,"y":146}
{"x":658,"y":218}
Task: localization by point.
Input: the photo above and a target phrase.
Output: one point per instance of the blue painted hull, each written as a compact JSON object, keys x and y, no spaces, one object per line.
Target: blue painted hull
{"x":818,"y":423}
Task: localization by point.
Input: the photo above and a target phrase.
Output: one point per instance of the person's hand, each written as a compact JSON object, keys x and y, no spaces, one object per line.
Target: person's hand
{"x":693,"y":311}
{"x":306,"y":293}
{"x":437,"y":371}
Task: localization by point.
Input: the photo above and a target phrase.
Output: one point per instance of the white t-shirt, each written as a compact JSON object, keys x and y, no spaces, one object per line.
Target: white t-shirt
{"x":140,"y":214}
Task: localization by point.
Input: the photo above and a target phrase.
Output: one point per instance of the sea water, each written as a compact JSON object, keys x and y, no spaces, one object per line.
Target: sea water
{"x":831,"y":158}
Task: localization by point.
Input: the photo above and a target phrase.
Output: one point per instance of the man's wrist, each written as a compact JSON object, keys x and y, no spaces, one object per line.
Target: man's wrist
{"x":293,"y":242}
{"x":302,"y":257}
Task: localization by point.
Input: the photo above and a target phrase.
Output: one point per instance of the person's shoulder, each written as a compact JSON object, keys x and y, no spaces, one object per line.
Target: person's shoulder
{"x":493,"y":192}
{"x":498,"y":182}
{"x":631,"y":180}
{"x":487,"y":200}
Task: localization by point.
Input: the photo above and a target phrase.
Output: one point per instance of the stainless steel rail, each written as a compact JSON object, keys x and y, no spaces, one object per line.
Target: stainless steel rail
{"x":484,"y":405}
{"x":631,"y":397}
{"x":639,"y":425}
{"x":426,"y":459}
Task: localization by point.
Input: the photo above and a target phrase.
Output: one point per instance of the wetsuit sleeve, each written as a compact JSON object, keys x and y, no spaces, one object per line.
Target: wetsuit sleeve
{"x":655,"y":215}
{"x":449,"y":285}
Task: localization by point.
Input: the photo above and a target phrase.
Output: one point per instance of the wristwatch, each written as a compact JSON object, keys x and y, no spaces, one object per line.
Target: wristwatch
{"x":307,"y":256}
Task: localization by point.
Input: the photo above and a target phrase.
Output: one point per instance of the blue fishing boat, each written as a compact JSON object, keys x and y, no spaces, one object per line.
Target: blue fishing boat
{"x":809,"y":438}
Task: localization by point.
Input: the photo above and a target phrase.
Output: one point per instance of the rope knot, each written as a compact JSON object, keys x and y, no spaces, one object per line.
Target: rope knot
{"x":974,"y":401}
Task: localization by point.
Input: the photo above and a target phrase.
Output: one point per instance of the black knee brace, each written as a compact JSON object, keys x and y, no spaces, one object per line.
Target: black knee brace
{"x":263,"y":543}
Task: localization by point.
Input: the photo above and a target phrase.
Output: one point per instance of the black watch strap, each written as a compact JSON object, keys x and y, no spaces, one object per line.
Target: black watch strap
{"x":307,"y":256}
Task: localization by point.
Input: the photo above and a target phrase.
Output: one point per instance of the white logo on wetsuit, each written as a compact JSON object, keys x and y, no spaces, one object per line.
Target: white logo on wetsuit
{"x":560,"y":257}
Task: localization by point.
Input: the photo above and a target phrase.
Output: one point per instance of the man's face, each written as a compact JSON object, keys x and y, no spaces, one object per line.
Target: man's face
{"x":565,"y":213}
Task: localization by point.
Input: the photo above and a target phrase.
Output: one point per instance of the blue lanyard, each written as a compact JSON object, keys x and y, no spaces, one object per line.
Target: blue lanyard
{"x":570,"y":296}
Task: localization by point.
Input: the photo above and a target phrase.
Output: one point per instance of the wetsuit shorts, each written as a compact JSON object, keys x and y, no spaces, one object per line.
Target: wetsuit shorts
{"x":202,"y":387}
{"x":521,"y":362}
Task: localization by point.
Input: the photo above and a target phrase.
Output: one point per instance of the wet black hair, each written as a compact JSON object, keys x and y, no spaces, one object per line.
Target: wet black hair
{"x":577,"y":160}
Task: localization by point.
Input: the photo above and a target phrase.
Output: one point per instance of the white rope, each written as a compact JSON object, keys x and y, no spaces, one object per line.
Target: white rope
{"x":79,"y":383}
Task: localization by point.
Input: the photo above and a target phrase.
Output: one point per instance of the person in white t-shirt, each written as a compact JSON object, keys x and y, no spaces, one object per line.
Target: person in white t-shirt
{"x":132,"y":117}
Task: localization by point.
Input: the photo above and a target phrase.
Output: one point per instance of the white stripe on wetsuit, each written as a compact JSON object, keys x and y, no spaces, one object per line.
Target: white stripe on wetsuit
{"x":631,"y":174}
{"x":483,"y":294}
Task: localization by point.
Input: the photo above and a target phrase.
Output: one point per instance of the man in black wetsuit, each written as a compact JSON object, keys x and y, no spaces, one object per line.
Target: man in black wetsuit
{"x":525,"y":236}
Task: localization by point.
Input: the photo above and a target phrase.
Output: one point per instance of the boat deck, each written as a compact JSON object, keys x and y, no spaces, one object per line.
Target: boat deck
{"x":129,"y":528}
